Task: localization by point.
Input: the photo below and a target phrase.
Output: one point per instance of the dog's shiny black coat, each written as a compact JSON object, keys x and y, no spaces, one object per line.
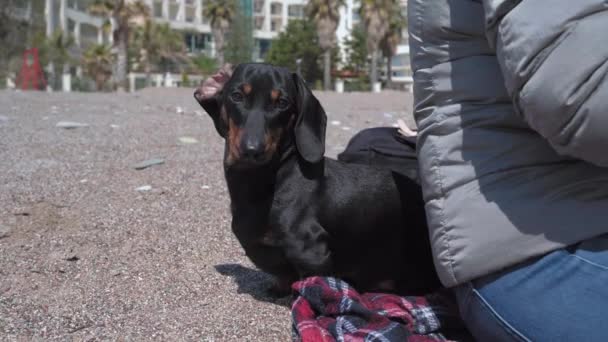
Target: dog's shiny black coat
{"x":298,"y":214}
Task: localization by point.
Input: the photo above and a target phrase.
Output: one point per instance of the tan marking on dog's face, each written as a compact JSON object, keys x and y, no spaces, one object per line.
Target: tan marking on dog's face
{"x":235,"y":134}
{"x":274,"y":94}
{"x":271,"y":140}
{"x":247,"y":88}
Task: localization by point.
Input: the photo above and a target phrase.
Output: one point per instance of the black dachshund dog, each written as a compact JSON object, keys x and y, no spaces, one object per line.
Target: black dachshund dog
{"x":297,"y":213}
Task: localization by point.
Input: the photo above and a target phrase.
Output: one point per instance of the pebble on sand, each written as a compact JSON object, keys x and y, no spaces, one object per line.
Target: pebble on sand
{"x":147,"y":163}
{"x":144,"y":188}
{"x":187,"y":140}
{"x":4,"y":232}
{"x":71,"y":124}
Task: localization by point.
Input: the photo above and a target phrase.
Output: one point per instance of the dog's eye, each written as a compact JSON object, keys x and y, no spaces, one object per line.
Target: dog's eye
{"x":236,"y":96}
{"x":283,"y":103}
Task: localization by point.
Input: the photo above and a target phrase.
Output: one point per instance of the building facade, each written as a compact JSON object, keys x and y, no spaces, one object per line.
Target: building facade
{"x":270,"y":17}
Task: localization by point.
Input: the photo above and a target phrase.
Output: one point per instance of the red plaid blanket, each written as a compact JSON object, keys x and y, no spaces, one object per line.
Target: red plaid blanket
{"x":328,"y":309}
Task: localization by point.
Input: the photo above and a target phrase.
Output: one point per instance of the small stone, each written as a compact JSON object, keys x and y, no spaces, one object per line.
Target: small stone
{"x":335,"y":122}
{"x":4,"y":232}
{"x":144,"y":188}
{"x":72,"y":258}
{"x":187,"y":140}
{"x":179,"y":110}
{"x":82,"y":181}
{"x":346,"y":128}
{"x":115,"y":126}
{"x":388,"y":115}
{"x":147,"y":163}
{"x":205,"y":187}
{"x":71,"y":124}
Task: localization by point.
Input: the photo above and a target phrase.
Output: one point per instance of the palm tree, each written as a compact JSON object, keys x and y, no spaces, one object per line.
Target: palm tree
{"x":56,"y":50}
{"x":97,"y":63}
{"x":375,"y":15}
{"x":220,"y":14}
{"x":145,"y":45}
{"x":239,"y":40}
{"x":326,"y":15}
{"x":392,"y":38}
{"x":158,"y":44}
{"x":121,"y":13}
{"x":172,"y":47}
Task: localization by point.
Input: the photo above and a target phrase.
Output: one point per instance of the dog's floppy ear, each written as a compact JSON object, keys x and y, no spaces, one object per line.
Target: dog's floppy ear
{"x":310,"y":124}
{"x":208,"y":94}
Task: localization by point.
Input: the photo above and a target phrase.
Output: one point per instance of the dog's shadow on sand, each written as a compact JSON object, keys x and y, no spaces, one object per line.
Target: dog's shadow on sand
{"x":254,"y":283}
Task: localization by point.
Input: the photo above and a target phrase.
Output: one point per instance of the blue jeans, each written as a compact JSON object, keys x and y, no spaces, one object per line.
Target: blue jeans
{"x":562,"y":296}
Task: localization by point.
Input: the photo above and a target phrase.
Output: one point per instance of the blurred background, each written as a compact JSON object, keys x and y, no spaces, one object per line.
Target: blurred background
{"x":105,"y":45}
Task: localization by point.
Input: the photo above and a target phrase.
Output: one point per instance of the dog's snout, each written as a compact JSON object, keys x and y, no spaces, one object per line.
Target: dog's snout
{"x":253,"y":149}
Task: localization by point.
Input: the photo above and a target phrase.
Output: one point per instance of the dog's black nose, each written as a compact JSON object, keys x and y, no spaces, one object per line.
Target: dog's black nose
{"x":253,"y":150}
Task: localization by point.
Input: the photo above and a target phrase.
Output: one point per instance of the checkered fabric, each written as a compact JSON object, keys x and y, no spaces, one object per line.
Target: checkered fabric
{"x":328,"y":309}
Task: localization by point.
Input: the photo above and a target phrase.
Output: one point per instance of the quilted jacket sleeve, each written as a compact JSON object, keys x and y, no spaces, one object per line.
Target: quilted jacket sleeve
{"x":554,"y":57}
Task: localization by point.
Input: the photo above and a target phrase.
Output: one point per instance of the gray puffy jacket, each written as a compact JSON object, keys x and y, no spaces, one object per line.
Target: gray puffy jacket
{"x":511,"y":100}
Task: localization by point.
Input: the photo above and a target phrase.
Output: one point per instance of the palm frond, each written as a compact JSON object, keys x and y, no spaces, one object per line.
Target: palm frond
{"x":326,"y":15}
{"x":102,"y":8}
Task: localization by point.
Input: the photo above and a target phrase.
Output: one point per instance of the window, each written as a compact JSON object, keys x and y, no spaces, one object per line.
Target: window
{"x":355,"y":15}
{"x":295,"y":11}
{"x":258,"y":6}
{"x":190,"y":14}
{"x":157,"y":9}
{"x":276,"y":24}
{"x":258,"y":22}
{"x":276,"y":8}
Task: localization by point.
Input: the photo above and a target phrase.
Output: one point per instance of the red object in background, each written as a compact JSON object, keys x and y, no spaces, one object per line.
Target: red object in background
{"x":31,"y":72}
